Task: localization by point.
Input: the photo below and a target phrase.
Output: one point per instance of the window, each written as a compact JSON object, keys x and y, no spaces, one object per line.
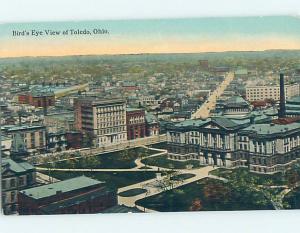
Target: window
{"x":3,"y":184}
{"x":21,"y":181}
{"x":12,"y":183}
{"x":13,"y":196}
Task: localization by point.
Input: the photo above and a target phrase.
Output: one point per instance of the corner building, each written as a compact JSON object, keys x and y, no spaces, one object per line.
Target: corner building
{"x":104,"y":119}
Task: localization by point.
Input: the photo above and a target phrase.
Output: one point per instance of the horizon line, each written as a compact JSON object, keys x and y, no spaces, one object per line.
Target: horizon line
{"x":162,"y":53}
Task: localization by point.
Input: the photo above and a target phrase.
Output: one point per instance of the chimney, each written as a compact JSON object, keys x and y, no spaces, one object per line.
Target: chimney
{"x":281,"y":113}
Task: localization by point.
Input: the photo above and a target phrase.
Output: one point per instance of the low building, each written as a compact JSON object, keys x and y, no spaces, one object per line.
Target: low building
{"x":38,"y":97}
{"x":152,"y":125}
{"x":6,"y":142}
{"x":57,"y":141}
{"x":271,"y":92}
{"x":26,"y":138}
{"x":236,"y":105}
{"x":15,"y":176}
{"x":135,"y":122}
{"x":80,"y":195}
{"x":58,"y":121}
{"x":74,"y":139}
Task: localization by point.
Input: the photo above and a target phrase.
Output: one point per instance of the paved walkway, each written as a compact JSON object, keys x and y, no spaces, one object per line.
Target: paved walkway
{"x":153,"y":188}
{"x":45,"y":179}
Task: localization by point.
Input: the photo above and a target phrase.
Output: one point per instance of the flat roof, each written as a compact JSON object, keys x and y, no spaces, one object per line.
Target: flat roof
{"x":61,"y":186}
{"x":262,"y":129}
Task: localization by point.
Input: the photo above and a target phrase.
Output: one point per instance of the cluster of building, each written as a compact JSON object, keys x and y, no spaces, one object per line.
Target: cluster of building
{"x":265,"y":141}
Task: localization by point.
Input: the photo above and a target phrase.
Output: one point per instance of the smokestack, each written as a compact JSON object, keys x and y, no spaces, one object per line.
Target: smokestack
{"x":281,"y":113}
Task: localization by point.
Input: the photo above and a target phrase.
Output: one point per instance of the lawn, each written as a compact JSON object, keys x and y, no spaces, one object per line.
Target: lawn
{"x":162,"y":145}
{"x":132,"y":192}
{"x":163,"y":161}
{"x":121,"y":159}
{"x":292,"y":199}
{"x":113,"y":179}
{"x":243,"y":173}
{"x":206,"y":195}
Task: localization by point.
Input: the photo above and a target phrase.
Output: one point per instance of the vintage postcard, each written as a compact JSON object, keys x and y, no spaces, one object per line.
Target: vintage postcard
{"x":162,"y":115}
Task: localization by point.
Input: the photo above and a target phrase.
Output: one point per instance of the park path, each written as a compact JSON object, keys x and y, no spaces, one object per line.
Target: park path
{"x":153,"y":188}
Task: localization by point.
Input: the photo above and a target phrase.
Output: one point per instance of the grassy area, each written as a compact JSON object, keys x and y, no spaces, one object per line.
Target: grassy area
{"x":183,"y":176}
{"x":207,"y":194}
{"x":292,"y":199}
{"x":113,"y":179}
{"x":132,"y":192}
{"x":120,"y":159}
{"x":162,"y":145}
{"x":259,"y":179}
{"x":163,"y":161}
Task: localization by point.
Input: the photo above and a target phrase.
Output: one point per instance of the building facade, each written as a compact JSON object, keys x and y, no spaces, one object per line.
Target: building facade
{"x":210,"y":141}
{"x":135,"y":121}
{"x":271,"y":92}
{"x":268,"y":148}
{"x":39,"y":98}
{"x":15,"y":176}
{"x":105,"y":120}
{"x":262,"y":147}
{"x":26,"y":138}
{"x":80,"y":195}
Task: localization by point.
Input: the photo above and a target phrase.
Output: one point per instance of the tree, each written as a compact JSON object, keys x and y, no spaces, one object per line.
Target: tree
{"x":196,"y":205}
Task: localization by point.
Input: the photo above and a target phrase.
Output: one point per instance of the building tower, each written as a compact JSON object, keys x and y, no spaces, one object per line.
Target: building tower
{"x":281,"y":113}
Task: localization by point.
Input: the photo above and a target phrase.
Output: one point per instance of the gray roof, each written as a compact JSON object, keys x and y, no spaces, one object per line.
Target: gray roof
{"x":61,"y":186}
{"x":17,"y":167}
{"x":269,"y":129}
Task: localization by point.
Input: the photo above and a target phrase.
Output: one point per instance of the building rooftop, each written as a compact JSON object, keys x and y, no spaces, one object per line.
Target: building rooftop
{"x":20,"y":127}
{"x":269,"y":129}
{"x":61,"y":186}
{"x":133,"y":109}
{"x":236,"y":101}
{"x":16,"y":167}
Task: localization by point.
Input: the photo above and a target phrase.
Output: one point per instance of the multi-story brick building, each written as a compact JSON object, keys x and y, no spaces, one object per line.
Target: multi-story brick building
{"x":271,"y":92}
{"x":15,"y":176}
{"x":38,"y":98}
{"x":135,"y":121}
{"x":80,"y":195}
{"x":104,"y":119}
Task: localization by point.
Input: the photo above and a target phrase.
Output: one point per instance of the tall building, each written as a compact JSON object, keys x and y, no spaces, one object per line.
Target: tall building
{"x":104,"y":119}
{"x":271,"y":92}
